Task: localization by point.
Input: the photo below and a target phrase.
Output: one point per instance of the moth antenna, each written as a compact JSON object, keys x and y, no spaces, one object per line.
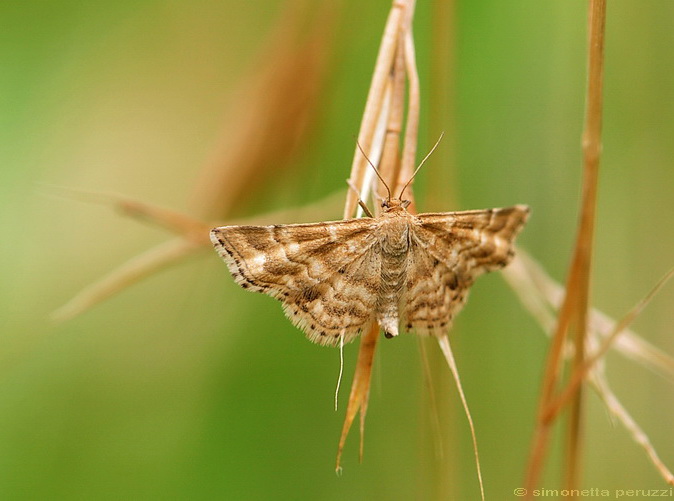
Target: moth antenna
{"x":422,"y":163}
{"x":375,"y":170}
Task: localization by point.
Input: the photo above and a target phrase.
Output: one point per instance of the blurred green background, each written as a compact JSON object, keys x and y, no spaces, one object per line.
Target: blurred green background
{"x":184,"y":386}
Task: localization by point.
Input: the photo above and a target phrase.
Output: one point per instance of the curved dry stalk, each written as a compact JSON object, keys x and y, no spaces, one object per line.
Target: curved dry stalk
{"x":266,"y":123}
{"x":449,"y":356}
{"x":579,"y":375}
{"x":193,"y":237}
{"x":620,"y":413}
{"x":542,"y":296}
{"x":173,"y":221}
{"x":433,"y":401}
{"x":134,"y":270}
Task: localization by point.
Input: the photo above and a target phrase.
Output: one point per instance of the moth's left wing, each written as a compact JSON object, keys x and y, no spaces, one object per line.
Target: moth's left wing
{"x":449,"y":251}
{"x":326,"y":274}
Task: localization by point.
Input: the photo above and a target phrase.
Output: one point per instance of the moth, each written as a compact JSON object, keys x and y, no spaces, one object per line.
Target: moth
{"x":406,"y":272}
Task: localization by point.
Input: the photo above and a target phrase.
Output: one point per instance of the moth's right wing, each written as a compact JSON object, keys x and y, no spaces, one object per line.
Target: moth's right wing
{"x":450,"y":251}
{"x":326,"y":274}
{"x":476,"y":241}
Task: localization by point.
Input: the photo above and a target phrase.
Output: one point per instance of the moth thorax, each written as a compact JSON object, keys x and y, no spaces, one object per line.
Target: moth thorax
{"x":395,"y":238}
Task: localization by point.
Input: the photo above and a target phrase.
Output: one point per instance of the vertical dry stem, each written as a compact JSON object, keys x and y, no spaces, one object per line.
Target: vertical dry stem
{"x":384,"y":107}
{"x":374,"y":102}
{"x":399,"y":65}
{"x":583,"y":257}
{"x":413,"y":106}
{"x":389,"y":167}
{"x":574,"y":311}
{"x":360,"y":388}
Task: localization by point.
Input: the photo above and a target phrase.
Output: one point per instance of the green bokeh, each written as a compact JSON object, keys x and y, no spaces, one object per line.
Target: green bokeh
{"x":185,"y":387}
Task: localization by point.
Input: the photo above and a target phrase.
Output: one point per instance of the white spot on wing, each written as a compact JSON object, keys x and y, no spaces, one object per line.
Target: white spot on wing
{"x":256,"y":263}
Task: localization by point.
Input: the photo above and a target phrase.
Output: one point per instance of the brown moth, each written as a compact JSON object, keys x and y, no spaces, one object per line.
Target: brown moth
{"x":398,"y":269}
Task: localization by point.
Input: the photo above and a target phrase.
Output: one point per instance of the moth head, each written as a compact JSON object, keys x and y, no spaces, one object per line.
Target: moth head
{"x":393,"y":203}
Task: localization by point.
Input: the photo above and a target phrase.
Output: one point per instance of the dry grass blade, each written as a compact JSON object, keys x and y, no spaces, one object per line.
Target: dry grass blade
{"x":384,"y":109}
{"x":173,"y":221}
{"x":375,"y":102}
{"x":542,"y":296}
{"x":395,"y":101}
{"x":132,"y":271}
{"x":632,"y":346}
{"x":432,"y":400}
{"x":194,"y":235}
{"x":579,"y":375}
{"x":531,"y":283}
{"x":360,"y":389}
{"x":620,"y":413}
{"x":380,"y":130}
{"x":449,"y":356}
{"x":269,"y":121}
{"x":271,"y":115}
{"x":413,"y":107}
{"x":324,"y":208}
{"x":583,"y":253}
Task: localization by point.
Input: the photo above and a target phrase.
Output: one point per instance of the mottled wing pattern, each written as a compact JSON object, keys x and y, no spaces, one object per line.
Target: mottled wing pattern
{"x":449,"y":251}
{"x":326,"y":274}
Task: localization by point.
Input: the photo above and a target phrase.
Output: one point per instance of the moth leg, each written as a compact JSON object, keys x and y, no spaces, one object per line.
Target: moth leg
{"x":360,"y":202}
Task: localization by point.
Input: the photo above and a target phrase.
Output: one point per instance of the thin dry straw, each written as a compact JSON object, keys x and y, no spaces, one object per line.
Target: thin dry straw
{"x":449,"y":356}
